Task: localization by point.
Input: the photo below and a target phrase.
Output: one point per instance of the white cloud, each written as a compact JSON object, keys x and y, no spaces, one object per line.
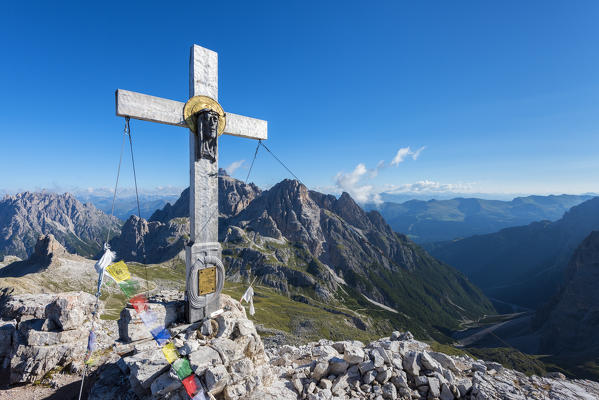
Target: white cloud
{"x":427,"y":186}
{"x":372,"y":173}
{"x":234,"y":166}
{"x":401,"y":156}
{"x":350,"y":182}
{"x":403,"y":153}
{"x":416,"y":154}
{"x":354,"y":182}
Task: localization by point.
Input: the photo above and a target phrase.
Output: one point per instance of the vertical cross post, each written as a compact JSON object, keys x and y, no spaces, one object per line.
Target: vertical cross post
{"x":203,"y":196}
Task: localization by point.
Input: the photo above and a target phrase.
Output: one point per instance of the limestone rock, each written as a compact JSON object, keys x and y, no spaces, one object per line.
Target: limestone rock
{"x":49,"y":331}
{"x":337,"y":366}
{"x":204,"y":357}
{"x":410,"y":363}
{"x":24,"y":306}
{"x":165,"y":383}
{"x":320,"y":370}
{"x":70,"y":310}
{"x":7,"y":330}
{"x":434,"y":387}
{"x":353,"y":354}
{"x":132,"y":328}
{"x":146,"y":366}
{"x":389,"y":391}
{"x":216,"y":379}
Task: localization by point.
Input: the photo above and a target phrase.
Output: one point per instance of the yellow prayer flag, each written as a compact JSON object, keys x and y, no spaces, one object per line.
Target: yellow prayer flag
{"x":170,"y":352}
{"x":119,"y":271}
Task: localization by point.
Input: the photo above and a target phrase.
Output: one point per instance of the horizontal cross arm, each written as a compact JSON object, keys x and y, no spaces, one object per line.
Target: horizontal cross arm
{"x":155,"y":109}
{"x":149,"y":108}
{"x":251,"y":128}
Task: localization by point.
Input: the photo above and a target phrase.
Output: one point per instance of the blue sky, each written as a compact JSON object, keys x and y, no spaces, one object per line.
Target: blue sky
{"x":499,"y":97}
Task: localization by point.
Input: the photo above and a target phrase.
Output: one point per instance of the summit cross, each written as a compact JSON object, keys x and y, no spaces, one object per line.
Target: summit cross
{"x":205,"y":273}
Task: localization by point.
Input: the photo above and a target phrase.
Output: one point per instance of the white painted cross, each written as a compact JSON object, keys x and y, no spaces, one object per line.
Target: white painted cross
{"x":203,"y":265}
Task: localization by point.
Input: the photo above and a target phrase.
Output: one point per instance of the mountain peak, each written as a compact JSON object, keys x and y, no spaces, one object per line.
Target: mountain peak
{"x":80,"y":228}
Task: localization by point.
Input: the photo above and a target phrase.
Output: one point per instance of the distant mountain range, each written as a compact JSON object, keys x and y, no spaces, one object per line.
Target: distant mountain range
{"x":125,"y":206}
{"x":438,"y":220}
{"x":523,"y":265}
{"x":80,"y":228}
{"x":316,"y":248}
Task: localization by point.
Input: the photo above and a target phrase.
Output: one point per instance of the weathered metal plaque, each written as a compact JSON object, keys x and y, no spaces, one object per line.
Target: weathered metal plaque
{"x":207,"y":278}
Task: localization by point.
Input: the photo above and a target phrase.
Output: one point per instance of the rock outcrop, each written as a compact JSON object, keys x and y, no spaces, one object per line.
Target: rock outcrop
{"x":80,"y":228}
{"x":151,"y":242}
{"x":294,"y":239}
{"x":47,"y":253}
{"x":163,"y":236}
{"x":41,"y":332}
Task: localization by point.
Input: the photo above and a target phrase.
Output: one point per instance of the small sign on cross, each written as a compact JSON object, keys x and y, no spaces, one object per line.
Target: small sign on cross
{"x":208,"y":120}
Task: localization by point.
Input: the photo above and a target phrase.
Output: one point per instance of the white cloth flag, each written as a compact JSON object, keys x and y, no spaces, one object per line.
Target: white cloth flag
{"x":248,"y":296}
{"x":106,"y":259}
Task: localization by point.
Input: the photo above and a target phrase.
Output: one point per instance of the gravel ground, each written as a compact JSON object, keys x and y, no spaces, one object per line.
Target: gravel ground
{"x":67,"y":388}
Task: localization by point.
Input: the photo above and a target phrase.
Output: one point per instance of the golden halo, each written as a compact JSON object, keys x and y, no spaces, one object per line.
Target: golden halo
{"x":199,"y":103}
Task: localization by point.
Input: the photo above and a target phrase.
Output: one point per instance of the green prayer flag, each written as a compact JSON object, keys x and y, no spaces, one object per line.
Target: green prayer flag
{"x":129,"y":287}
{"x":182,"y":368}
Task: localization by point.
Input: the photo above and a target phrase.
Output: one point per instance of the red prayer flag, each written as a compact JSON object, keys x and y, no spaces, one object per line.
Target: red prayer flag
{"x":191,"y":384}
{"x":139,"y":302}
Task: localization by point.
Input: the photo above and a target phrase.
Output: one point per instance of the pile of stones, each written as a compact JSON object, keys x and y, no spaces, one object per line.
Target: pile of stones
{"x":225,"y":353}
{"x":400,"y":367}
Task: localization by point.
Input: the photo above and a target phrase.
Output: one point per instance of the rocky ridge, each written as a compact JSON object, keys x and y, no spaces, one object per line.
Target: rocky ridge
{"x":234,"y":196}
{"x":163,"y":236}
{"x":308,"y":245}
{"x":80,"y":228}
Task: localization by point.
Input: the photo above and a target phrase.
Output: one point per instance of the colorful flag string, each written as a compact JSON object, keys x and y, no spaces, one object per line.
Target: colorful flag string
{"x":119,"y":272}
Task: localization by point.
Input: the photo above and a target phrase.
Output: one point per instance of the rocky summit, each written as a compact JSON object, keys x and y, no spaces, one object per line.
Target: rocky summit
{"x":229,"y":359}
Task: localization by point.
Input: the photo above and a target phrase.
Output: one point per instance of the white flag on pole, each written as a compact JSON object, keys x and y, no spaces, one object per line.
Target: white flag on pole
{"x":106,"y":259}
{"x":248,"y":296}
